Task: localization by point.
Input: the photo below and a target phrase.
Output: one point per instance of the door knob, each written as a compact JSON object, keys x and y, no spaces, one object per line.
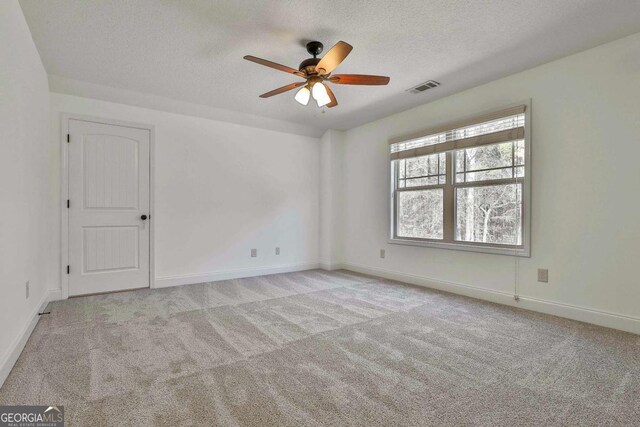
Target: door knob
{"x":143,"y":217}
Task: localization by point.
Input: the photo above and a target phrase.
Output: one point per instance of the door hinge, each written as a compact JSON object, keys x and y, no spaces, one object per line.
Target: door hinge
{"x":68,"y":269}
{"x":68,"y":138}
{"x":68,"y":203}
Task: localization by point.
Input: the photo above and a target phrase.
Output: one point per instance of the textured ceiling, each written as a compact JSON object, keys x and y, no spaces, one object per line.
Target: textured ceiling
{"x":192,"y":50}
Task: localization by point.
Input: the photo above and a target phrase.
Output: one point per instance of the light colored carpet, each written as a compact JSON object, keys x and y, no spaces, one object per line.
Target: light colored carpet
{"x":322,"y":348}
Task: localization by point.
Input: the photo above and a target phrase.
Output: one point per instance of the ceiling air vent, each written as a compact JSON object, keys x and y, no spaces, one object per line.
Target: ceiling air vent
{"x":430,"y":84}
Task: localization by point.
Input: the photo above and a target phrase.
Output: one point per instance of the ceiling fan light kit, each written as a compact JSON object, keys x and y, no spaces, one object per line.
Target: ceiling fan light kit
{"x":319,"y":93}
{"x":317,"y":73}
{"x":303,"y":95}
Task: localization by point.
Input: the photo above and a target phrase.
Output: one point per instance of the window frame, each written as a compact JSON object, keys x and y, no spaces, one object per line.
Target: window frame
{"x":449,"y":202}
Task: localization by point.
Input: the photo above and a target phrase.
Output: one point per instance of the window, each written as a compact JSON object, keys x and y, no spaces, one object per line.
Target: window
{"x":464,"y":186}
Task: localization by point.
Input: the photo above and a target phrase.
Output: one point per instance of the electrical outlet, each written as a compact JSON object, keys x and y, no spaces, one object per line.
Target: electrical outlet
{"x":254,"y":253}
{"x":543,"y":275}
{"x":277,"y":251}
{"x":382,"y":253}
{"x":26,"y":286}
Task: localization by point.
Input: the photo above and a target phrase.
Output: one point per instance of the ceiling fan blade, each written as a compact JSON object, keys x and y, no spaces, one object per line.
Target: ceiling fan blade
{"x":333,"y":57}
{"x":334,"y":101}
{"x":358,"y":79}
{"x":274,"y":65}
{"x":282,"y":89}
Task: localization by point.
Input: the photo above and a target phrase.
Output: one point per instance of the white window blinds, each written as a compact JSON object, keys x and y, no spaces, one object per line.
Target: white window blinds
{"x":501,"y":126}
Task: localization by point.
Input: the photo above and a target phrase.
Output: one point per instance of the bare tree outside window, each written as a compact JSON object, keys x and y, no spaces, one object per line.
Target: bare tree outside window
{"x":471,"y":195}
{"x":489,"y":214}
{"x":420,"y":210}
{"x":420,"y":214}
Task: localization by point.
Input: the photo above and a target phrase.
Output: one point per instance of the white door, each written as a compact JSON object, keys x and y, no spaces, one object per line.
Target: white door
{"x":108,"y":207}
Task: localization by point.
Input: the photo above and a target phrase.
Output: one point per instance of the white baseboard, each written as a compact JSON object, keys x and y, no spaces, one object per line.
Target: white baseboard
{"x":582,"y":314}
{"x":328,"y":265}
{"x":189,"y":279}
{"x":13,"y":352}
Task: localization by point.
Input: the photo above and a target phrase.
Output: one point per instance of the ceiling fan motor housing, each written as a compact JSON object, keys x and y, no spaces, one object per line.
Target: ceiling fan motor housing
{"x":309,"y":65}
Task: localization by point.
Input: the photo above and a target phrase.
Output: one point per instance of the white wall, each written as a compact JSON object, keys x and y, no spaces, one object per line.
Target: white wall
{"x":586,"y":181}
{"x":331,"y":198}
{"x":220,"y":190}
{"x":25,"y":197}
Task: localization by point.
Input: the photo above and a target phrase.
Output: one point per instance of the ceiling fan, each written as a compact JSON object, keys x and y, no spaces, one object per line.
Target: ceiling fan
{"x":317,"y":73}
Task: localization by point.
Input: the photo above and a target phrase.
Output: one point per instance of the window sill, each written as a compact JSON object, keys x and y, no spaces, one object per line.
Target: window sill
{"x":467,"y":247}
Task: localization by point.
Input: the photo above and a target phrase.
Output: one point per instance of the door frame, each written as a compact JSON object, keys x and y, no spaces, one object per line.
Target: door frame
{"x":64,"y":192}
